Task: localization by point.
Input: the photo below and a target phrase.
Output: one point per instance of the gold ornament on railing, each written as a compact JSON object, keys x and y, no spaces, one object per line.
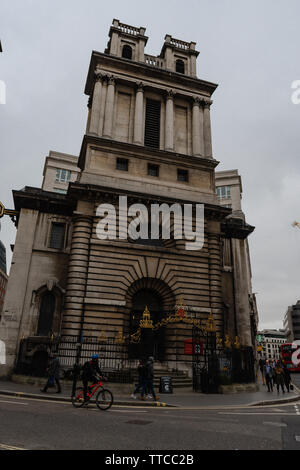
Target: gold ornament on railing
{"x":136,"y":337}
{"x":102,"y":338}
{"x":120,"y":338}
{"x":236,"y":344}
{"x":146,"y":321}
{"x":180,"y":310}
{"x":219,"y":341}
{"x":227,"y":342}
{"x":210,"y":324}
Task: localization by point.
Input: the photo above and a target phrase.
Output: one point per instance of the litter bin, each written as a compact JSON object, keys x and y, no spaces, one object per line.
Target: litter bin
{"x":165,"y":385}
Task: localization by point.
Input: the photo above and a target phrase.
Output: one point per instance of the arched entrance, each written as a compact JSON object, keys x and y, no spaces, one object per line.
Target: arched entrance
{"x":158,"y":297}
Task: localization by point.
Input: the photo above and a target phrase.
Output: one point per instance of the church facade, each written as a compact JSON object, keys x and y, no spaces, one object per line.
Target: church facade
{"x":147,"y":142}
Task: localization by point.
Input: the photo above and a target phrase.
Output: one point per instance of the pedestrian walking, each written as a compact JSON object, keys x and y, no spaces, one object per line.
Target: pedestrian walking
{"x":141,"y":378}
{"x":53,"y":374}
{"x":279,"y":373}
{"x":149,"y":377}
{"x":268,"y":374}
{"x":261,"y":366}
{"x":287,"y":377}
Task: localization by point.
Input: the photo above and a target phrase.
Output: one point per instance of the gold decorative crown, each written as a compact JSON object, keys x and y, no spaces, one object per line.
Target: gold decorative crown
{"x":146,"y":321}
{"x":210,"y":324}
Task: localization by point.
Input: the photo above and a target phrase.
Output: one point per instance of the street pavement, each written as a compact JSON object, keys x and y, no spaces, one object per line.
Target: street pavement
{"x":196,"y":422}
{"x":46,"y":425}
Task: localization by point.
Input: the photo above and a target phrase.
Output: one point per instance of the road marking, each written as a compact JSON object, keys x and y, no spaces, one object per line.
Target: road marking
{"x":270,"y":423}
{"x":8,"y":447}
{"x":14,"y":402}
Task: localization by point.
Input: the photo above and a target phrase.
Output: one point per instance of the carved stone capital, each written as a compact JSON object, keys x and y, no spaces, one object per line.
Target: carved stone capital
{"x":140,"y":87}
{"x":111,"y":80}
{"x":170,"y":94}
{"x":98,"y":77}
{"x":196,"y":101}
{"x":206,"y":103}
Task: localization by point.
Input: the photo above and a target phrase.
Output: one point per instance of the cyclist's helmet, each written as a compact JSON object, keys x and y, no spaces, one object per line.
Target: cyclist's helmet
{"x":95,"y":356}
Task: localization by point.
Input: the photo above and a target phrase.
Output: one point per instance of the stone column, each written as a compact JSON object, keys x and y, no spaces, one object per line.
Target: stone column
{"x":196,"y":128}
{"x":77,"y":275}
{"x":138,"y":115}
{"x":169,"y":126}
{"x":109,"y":108}
{"x":95,"y":112}
{"x":207,"y":129}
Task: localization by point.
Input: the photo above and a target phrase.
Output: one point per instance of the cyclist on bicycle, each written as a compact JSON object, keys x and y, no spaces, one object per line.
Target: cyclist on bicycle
{"x":90,"y":371}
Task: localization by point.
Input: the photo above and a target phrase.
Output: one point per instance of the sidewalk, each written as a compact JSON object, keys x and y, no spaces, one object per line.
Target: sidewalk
{"x":180,"y":398}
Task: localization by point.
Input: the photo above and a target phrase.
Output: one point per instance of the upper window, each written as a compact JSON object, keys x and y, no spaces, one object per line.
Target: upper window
{"x":180,"y":66}
{"x":60,"y":191}
{"x":152,"y":124}
{"x":127,"y":52}
{"x":153,"y":170}
{"x":223,"y":192}
{"x":183,"y":175}
{"x":63,"y":175}
{"x":122,"y":164}
{"x":57,"y":236}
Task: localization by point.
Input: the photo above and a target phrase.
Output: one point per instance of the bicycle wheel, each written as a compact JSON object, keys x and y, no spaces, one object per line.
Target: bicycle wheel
{"x":104,"y":399}
{"x":78,"y":398}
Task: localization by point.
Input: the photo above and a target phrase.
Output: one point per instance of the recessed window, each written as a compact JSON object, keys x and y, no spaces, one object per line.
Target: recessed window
{"x":180,"y":66}
{"x":122,"y":164}
{"x":223,"y":192}
{"x":183,"y":175}
{"x":57,"y":236}
{"x":60,"y":191}
{"x":153,"y":170}
{"x":152,"y":124}
{"x":127,"y":52}
{"x":63,"y":175}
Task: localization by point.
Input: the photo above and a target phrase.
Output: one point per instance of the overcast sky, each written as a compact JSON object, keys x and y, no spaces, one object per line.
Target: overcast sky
{"x":250,"y":48}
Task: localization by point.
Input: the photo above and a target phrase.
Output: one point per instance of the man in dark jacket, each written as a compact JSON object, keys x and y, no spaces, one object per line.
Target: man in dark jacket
{"x":142,"y":372}
{"x":269,"y":373}
{"x":287,"y":377}
{"x":90,"y":372}
{"x":149,"y":377}
{"x":53,"y":374}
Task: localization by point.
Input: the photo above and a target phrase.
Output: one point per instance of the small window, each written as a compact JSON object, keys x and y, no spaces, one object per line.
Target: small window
{"x":127,"y":52}
{"x":223,"y":192}
{"x":180,"y":66}
{"x":57,"y":236}
{"x":122,"y":164}
{"x":183,"y":175}
{"x":63,"y":175}
{"x":60,"y":191}
{"x":153,"y":170}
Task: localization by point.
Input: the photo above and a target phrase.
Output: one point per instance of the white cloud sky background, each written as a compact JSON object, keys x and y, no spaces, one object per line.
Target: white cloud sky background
{"x":250,"y":48}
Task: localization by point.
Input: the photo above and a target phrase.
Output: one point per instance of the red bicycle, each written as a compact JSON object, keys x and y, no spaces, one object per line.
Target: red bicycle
{"x":104,"y":397}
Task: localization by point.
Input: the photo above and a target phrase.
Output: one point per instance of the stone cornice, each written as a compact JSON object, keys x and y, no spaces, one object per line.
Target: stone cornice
{"x":91,"y":192}
{"x":101,"y":59}
{"x":236,"y":228}
{"x":43,"y":201}
{"x":132,"y":150}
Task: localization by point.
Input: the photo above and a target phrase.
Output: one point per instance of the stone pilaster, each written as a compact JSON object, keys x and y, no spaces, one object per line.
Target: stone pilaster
{"x":109,"y":108}
{"x":215,"y":277}
{"x":138,"y":115}
{"x":207,"y":129}
{"x":96,"y":105}
{"x":196,"y":128}
{"x":169,"y":127}
{"x":77,"y":274}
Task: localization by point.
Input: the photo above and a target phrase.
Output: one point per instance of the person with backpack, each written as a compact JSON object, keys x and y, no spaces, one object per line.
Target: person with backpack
{"x":90,"y":372}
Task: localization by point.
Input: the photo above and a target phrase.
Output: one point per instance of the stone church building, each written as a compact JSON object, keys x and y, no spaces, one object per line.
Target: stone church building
{"x":148,"y":137}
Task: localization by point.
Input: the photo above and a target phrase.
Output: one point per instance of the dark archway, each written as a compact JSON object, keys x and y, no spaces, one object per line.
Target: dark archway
{"x":47,"y":308}
{"x":158,"y":297}
{"x":127,"y":52}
